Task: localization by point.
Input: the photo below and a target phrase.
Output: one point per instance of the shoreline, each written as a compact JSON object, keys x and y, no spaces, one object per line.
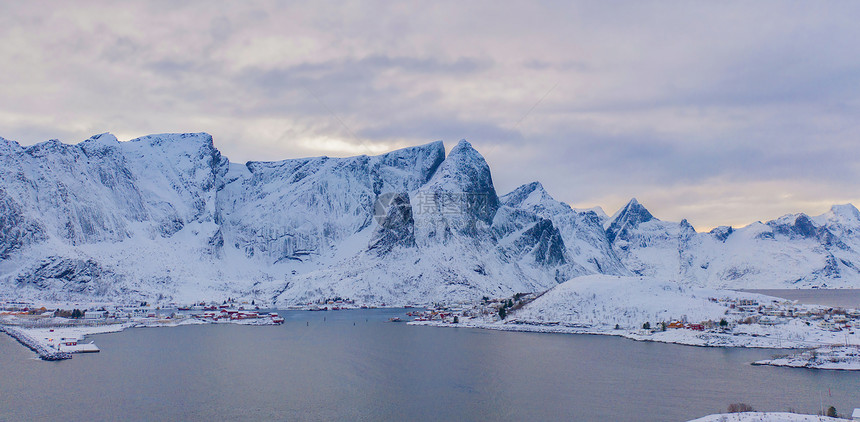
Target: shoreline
{"x":679,"y":337}
{"x":833,"y":358}
{"x":60,"y":341}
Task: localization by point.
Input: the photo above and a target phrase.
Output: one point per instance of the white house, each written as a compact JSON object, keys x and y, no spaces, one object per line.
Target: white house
{"x":94,"y":315}
{"x":856,"y":415}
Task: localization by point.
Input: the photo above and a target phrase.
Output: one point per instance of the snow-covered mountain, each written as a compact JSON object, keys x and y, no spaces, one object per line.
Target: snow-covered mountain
{"x":795,"y":250}
{"x":167,"y":217}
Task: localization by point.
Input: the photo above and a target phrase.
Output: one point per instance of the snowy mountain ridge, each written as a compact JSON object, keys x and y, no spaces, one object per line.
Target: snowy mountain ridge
{"x":167,"y":217}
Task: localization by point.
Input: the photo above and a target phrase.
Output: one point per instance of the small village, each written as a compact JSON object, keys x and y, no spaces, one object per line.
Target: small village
{"x":55,"y":333}
{"x":738,"y":312}
{"x":827,"y":333}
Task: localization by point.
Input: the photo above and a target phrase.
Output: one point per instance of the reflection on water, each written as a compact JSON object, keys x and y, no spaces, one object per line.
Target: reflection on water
{"x":351,"y":365}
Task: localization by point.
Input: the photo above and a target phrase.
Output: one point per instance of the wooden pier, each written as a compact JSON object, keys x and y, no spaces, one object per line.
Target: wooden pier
{"x":44,"y":352}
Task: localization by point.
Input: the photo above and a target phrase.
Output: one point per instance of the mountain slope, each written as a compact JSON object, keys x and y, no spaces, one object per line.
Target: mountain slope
{"x":792,"y":251}
{"x":167,"y":217}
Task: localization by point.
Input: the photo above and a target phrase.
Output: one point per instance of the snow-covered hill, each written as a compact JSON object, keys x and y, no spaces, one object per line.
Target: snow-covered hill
{"x":600,"y":300}
{"x":167,"y":217}
{"x":765,"y":417}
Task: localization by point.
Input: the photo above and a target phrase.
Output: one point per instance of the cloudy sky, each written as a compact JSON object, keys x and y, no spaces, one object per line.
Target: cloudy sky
{"x":718,"y":112}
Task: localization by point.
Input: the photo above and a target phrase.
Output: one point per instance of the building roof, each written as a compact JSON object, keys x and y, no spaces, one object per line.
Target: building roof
{"x":856,"y":413}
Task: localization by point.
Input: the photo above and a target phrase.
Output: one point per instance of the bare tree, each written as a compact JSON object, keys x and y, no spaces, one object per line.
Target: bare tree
{"x":740,"y":407}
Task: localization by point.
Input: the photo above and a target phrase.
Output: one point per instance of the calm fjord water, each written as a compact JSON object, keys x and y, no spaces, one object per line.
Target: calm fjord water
{"x":355,"y":366}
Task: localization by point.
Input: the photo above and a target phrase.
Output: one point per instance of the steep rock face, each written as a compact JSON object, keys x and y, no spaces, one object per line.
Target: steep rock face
{"x":106,"y":200}
{"x":66,"y":275}
{"x":97,"y":190}
{"x":627,"y":219}
{"x":526,"y":236}
{"x":459,"y":200}
{"x":179,"y":176}
{"x":587,"y":247}
{"x":645,"y":245}
{"x":396,"y":227}
{"x":297,"y":209}
{"x":168,"y":217}
{"x":16,"y":230}
{"x":438,"y":242}
{"x":545,"y":243}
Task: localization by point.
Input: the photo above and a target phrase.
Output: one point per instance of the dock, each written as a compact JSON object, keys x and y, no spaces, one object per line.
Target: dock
{"x":43,"y":352}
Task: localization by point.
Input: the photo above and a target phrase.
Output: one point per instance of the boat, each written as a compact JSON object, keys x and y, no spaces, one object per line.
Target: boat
{"x":395,"y":319}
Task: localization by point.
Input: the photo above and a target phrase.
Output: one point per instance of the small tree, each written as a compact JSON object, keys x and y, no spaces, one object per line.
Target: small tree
{"x":456,"y":319}
{"x":724,"y":323}
{"x":646,"y":325}
{"x":831,"y":411}
{"x":502,"y":312}
{"x":739,"y":408}
{"x":617,"y":327}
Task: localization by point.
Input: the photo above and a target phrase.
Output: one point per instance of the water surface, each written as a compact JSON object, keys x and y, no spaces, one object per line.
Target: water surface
{"x":355,"y":366}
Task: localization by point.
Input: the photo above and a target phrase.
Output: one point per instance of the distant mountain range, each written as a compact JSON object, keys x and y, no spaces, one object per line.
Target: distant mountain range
{"x":167,"y":217}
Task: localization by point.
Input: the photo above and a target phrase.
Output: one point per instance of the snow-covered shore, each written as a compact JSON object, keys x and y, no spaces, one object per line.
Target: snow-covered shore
{"x":64,"y":335}
{"x":844,"y":358}
{"x":765,"y":417}
{"x":672,"y":313}
{"x":675,"y":336}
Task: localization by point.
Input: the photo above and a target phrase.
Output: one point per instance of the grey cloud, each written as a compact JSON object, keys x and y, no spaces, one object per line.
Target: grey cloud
{"x":355,"y":72}
{"x":121,"y":49}
{"x":565,"y":66}
{"x":445,"y":127}
{"x":775,"y":89}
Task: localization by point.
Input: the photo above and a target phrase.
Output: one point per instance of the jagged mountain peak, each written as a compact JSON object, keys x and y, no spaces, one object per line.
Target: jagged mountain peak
{"x":630,"y":216}
{"x":464,"y":171}
{"x":462,"y":143}
{"x":166,"y":213}
{"x":595,"y":209}
{"x":798,"y":224}
{"x":685,"y":225}
{"x":633,"y":212}
{"x":533,"y":197}
{"x":42,"y":149}
{"x":8,"y":146}
{"x":522,"y":193}
{"x":425,"y":158}
{"x":464,"y":150}
{"x":721,"y":233}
